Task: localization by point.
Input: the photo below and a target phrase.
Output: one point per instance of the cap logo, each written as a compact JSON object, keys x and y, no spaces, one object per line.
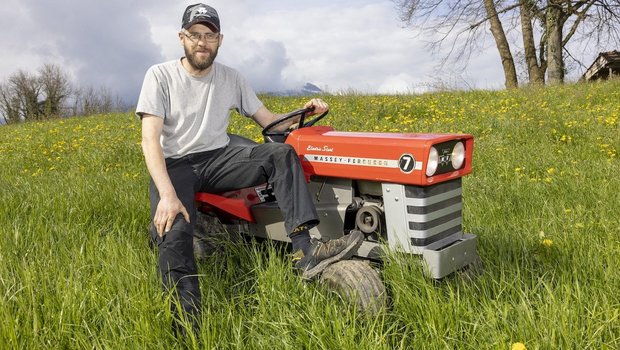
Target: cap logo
{"x":201,"y":11}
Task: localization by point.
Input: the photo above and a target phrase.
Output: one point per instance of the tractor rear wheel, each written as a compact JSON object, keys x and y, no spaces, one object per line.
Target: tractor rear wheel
{"x":356,"y":281}
{"x":210,"y":236}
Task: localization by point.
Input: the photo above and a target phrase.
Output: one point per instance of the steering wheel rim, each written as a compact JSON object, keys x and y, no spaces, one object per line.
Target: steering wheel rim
{"x":300,"y":112}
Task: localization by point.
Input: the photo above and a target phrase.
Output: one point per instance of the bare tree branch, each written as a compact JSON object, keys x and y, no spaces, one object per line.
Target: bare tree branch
{"x":461,"y":24}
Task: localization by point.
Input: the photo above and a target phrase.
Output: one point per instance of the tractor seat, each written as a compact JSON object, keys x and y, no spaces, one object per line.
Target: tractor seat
{"x":236,"y":140}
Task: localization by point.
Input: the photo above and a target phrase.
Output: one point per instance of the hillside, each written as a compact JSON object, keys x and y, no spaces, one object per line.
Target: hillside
{"x":76,"y":270}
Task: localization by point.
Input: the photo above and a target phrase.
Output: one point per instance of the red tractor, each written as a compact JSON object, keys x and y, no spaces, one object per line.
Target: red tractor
{"x":402,"y":190}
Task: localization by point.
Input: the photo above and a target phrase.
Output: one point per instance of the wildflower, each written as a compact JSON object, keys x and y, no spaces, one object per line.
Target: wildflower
{"x":518,"y":346}
{"x":547,"y":242}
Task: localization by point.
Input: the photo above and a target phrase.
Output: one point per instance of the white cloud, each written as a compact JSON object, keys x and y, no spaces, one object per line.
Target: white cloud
{"x":262,"y":62}
{"x":103,"y":44}
{"x":339,"y":45}
{"x":334,"y":47}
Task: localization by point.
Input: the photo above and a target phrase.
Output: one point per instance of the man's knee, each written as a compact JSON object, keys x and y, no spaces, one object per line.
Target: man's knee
{"x":285,"y":152}
{"x":279,"y":148}
{"x":275,"y":152}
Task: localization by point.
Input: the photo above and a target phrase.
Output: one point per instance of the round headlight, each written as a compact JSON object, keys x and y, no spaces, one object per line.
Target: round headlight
{"x":458,"y":155}
{"x":433,"y":162}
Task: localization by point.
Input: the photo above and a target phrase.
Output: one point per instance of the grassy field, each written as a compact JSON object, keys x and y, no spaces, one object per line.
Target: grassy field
{"x":544,"y":199}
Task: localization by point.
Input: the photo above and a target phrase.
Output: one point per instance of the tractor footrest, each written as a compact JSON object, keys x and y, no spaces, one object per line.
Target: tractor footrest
{"x":443,"y":260}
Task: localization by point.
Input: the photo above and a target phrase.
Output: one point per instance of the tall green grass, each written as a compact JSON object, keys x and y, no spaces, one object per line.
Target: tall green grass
{"x":76,"y":270}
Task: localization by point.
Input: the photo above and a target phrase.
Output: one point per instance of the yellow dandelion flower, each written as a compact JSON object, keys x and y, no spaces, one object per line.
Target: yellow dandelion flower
{"x":547,"y":242}
{"x":518,"y":346}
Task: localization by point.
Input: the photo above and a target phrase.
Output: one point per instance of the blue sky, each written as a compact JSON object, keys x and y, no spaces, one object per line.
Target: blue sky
{"x":338,"y":45}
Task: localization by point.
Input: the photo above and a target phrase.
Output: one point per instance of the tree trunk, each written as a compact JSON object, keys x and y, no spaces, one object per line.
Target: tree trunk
{"x":554,"y":43}
{"x":510,"y":72}
{"x":534,"y":69}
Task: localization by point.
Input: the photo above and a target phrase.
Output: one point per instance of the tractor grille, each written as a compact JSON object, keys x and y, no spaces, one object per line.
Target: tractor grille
{"x":433,"y":212}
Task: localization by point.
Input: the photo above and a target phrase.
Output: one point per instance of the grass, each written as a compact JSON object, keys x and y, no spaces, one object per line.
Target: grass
{"x":76,"y":270}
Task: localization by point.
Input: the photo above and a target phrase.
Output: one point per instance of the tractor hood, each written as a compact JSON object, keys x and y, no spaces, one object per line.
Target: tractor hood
{"x":385,"y":157}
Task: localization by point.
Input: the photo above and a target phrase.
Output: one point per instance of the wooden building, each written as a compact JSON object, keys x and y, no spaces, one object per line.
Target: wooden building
{"x":607,"y":64}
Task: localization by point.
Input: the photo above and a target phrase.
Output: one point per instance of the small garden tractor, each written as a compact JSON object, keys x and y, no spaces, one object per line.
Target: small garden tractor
{"x":402,"y":190}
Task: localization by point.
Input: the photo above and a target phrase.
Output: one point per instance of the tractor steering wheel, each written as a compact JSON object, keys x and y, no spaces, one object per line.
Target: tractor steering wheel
{"x":280,"y":136}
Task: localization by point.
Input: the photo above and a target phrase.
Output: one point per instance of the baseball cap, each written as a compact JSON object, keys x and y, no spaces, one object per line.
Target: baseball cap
{"x":201,"y":13}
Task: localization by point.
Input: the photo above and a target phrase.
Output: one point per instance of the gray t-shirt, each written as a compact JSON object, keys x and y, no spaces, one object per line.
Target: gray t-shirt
{"x":195,"y":110}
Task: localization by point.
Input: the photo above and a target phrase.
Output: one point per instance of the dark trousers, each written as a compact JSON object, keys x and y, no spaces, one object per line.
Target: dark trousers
{"x":216,"y":171}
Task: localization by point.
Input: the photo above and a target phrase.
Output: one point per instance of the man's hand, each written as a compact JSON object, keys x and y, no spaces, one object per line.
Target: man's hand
{"x":319,"y":105}
{"x":264,"y":116}
{"x":167,"y":210}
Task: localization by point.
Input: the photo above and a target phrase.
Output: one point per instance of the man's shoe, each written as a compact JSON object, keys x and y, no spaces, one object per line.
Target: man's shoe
{"x":322,"y":254}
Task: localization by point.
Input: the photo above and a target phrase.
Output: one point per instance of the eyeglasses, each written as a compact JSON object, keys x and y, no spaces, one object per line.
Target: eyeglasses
{"x":206,"y":37}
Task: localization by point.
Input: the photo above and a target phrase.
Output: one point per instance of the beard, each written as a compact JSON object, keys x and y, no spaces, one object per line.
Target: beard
{"x":197,"y":63}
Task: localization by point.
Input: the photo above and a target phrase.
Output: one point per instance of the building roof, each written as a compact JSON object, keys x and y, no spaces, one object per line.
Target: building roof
{"x":602,"y":64}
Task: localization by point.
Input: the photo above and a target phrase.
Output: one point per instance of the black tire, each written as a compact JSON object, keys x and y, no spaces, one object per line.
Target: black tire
{"x":210,"y":236}
{"x":356,"y":281}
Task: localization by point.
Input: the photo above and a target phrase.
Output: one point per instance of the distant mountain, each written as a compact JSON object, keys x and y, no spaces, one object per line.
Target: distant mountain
{"x":310,"y":89}
{"x":307,"y":89}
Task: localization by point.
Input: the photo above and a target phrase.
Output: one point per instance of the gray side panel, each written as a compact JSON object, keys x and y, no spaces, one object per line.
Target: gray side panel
{"x":418,"y":216}
{"x":331,"y":196}
{"x":396,"y":218}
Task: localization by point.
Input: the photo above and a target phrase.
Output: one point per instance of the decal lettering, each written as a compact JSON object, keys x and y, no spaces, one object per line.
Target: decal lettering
{"x":325,"y":148}
{"x":406,"y":165}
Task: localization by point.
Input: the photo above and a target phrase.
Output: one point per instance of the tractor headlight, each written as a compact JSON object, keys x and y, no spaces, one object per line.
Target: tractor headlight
{"x":445,"y":157}
{"x":433,"y":162}
{"x":458,"y":155}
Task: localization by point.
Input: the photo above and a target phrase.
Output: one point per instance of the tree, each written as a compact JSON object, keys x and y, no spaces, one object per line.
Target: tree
{"x":90,"y":100}
{"x":510,"y":72}
{"x":56,"y":88}
{"x":33,"y":97}
{"x":9,"y":104}
{"x":554,"y":22}
{"x":25,"y":91}
{"x":597,"y":21}
{"x":536,"y":63}
{"x":25,"y":96}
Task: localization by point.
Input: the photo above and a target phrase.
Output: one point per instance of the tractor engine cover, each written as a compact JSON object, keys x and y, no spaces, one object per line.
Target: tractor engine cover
{"x":384,"y":157}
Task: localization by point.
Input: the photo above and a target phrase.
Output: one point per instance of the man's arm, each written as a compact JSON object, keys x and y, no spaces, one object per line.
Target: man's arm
{"x":169,"y":205}
{"x":264,"y":116}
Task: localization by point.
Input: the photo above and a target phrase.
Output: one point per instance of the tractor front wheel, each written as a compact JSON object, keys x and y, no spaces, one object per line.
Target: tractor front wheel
{"x":356,"y":281}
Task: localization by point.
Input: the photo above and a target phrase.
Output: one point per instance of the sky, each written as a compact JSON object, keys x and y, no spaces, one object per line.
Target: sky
{"x":338,"y":45}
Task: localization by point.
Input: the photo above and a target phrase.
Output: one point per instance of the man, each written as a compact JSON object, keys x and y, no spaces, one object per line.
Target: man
{"x":184,"y":106}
